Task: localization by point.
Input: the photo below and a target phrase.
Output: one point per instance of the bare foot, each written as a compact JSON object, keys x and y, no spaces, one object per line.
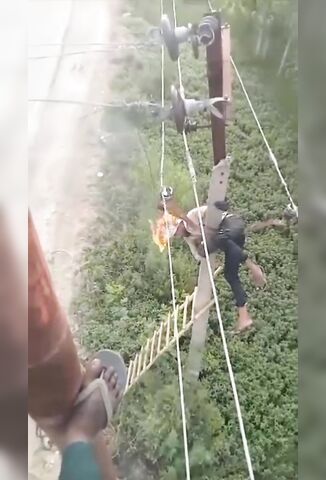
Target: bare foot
{"x":244,"y":321}
{"x":89,"y":417}
{"x":256,"y":273}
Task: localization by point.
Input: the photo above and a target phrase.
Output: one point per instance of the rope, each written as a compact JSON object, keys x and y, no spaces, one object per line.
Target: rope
{"x":70,"y":54}
{"x":139,"y":46}
{"x":162,"y":105}
{"x":270,"y":151}
{"x":151,"y":108}
{"x":217,"y":306}
{"x":179,"y":62}
{"x":78,"y":102}
{"x":175,"y":313}
{"x":96,"y":44}
{"x":148,"y":161}
{"x":210,"y":6}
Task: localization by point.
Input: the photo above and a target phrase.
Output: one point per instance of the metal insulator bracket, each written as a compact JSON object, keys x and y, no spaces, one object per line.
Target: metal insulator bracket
{"x":195,"y":34}
{"x":182,"y":108}
{"x":167,"y":192}
{"x":206,"y":30}
{"x":192,"y":126}
{"x":173,"y":37}
{"x":178,"y":109}
{"x":290,"y":214}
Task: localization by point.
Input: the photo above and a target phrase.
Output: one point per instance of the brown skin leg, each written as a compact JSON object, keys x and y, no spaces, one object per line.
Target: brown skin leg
{"x":102,"y":451}
{"x":257,"y":275}
{"x":281,"y":225}
{"x":244,"y":320}
{"x":88,"y":419}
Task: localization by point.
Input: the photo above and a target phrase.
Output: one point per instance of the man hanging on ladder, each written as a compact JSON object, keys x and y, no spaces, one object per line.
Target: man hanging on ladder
{"x":229,"y":238}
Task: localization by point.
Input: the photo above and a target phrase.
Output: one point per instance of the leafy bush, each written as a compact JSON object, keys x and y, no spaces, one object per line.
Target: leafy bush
{"x":126,"y":290}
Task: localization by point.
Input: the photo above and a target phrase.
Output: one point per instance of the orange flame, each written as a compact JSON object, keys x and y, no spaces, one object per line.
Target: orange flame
{"x":164,"y":229}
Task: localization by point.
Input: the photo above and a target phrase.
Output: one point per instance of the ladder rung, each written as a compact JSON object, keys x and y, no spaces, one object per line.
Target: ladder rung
{"x":146,"y":353}
{"x":134,"y":370}
{"x":129,"y":372}
{"x":139,"y":367}
{"x":175,"y":320}
{"x":141,"y":362}
{"x":168,"y":326}
{"x":185,"y":311}
{"x":152,"y":347}
{"x":203,"y":310}
{"x":160,"y":338}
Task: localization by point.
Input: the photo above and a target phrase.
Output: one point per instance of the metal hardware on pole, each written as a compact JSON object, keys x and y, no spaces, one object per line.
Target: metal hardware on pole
{"x":219,"y":86}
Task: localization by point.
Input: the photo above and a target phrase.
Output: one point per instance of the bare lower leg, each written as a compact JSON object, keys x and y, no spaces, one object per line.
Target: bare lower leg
{"x":93,"y":413}
{"x":104,"y":458}
{"x":87,"y":420}
{"x":267,"y":224}
{"x":244,"y":319}
{"x":257,"y":275}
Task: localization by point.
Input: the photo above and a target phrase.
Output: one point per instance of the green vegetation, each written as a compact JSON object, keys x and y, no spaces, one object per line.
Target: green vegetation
{"x":126,"y":289}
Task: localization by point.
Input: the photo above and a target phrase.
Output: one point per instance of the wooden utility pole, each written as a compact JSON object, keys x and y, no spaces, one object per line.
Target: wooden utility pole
{"x":219,"y":82}
{"x":215,"y":85}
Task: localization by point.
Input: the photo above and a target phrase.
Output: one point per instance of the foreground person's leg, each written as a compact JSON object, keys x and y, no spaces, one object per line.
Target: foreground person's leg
{"x":79,"y":459}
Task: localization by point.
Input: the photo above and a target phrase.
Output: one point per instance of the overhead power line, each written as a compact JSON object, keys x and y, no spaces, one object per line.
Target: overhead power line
{"x":175,"y":313}
{"x":193,"y":176}
{"x":270,"y":151}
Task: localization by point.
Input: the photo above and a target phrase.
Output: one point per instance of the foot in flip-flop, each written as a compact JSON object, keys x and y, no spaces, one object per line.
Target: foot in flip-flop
{"x":99,"y":398}
{"x":97,"y":401}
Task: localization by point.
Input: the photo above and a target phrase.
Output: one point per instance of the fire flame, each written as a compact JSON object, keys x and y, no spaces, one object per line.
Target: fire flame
{"x":164,"y":228}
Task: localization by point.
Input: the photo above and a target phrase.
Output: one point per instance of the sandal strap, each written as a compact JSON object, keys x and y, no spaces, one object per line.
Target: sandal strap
{"x":98,"y":384}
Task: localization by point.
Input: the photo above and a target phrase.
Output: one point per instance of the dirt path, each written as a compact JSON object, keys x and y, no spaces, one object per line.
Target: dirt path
{"x":64,"y":156}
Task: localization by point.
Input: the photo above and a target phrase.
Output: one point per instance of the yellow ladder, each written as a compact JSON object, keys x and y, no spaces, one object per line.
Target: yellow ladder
{"x":164,"y":338}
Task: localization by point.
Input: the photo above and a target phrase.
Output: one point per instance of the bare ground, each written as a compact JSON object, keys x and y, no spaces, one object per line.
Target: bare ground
{"x":65,"y":155}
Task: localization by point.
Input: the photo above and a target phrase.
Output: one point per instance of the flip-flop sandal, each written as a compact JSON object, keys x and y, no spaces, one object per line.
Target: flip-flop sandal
{"x":108,"y":359}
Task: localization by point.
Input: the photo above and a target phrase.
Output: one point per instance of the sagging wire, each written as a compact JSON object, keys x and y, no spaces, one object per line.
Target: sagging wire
{"x":119,"y":105}
{"x":148,"y":161}
{"x":269,"y":149}
{"x":210,"y":6}
{"x":216,"y":301}
{"x":139,"y":46}
{"x":96,"y":44}
{"x":175,"y":313}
